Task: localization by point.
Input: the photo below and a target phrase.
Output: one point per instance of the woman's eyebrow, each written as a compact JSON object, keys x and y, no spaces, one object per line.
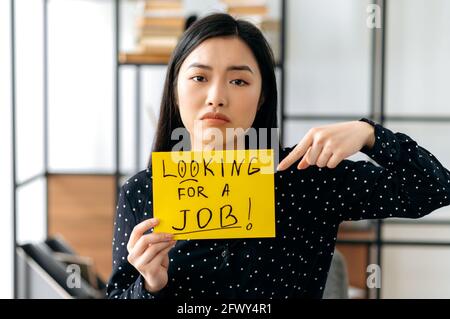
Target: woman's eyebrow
{"x":230,"y":68}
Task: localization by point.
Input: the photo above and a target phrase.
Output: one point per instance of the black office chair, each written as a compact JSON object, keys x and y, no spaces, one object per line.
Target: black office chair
{"x":59,"y":245}
{"x":43,"y":254}
{"x":337,"y":282}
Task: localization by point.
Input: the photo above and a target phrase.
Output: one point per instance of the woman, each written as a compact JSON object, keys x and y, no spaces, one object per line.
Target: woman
{"x":223,"y":66}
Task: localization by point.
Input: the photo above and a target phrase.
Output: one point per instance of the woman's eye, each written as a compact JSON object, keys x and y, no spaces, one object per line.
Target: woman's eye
{"x":239,"y":82}
{"x":198,"y":78}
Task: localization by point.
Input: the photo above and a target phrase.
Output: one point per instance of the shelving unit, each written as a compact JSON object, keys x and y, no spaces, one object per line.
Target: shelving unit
{"x":139,"y":61}
{"x":377,"y":113}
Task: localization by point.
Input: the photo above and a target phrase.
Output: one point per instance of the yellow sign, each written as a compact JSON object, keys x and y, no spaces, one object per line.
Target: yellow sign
{"x":214,"y":194}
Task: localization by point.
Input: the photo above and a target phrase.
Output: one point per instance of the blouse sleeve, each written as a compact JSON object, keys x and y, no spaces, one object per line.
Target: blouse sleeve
{"x":125,"y":281}
{"x":409,"y":181}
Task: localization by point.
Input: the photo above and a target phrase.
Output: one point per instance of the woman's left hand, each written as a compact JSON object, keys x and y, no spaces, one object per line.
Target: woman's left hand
{"x":328,"y":145}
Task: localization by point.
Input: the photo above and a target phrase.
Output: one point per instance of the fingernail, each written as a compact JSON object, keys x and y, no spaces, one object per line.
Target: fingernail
{"x":303,"y":166}
{"x":279,"y":167}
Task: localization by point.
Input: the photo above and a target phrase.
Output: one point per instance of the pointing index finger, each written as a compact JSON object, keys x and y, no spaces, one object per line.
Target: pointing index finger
{"x":296,"y":153}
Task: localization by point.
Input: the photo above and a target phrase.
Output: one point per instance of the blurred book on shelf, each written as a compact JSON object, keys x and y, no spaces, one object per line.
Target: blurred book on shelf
{"x":161,"y":5}
{"x":257,"y":12}
{"x":143,"y":58}
{"x":159,"y":29}
{"x":247,"y":7}
{"x":162,"y":23}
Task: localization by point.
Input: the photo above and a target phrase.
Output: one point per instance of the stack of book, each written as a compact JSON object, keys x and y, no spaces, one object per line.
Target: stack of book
{"x":247,"y":8}
{"x":158,"y":32}
{"x":257,"y":12}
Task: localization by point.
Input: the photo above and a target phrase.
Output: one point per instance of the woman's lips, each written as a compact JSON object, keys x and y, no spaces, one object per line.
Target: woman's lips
{"x":215,"y":121}
{"x":218,"y":118}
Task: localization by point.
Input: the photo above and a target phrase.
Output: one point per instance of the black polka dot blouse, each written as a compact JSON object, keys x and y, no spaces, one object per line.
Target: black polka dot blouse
{"x":310,"y":204}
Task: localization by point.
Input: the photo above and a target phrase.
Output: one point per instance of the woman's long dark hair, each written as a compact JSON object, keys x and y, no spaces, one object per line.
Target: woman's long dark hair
{"x":217,"y":25}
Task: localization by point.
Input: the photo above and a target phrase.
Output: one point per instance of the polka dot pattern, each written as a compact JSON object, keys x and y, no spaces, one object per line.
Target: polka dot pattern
{"x":404,"y":180}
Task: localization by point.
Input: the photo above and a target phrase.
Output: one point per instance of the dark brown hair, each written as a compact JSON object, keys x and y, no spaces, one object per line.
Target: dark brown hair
{"x":217,"y":25}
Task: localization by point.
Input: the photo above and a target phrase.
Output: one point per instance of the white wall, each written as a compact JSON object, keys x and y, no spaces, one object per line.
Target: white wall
{"x":327,"y":63}
{"x":328,"y":57}
{"x":81,"y":62}
{"x":418,"y":67}
{"x":418,"y":76}
{"x":29,"y":119}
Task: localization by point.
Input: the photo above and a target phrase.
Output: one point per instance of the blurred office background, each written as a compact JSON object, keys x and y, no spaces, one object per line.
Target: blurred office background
{"x":332,"y":67}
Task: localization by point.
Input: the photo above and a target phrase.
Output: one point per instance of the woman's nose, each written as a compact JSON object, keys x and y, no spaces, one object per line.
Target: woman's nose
{"x":215,"y":104}
{"x":217,"y":96}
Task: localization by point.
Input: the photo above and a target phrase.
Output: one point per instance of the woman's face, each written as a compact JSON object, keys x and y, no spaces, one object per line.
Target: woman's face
{"x":221,"y":76}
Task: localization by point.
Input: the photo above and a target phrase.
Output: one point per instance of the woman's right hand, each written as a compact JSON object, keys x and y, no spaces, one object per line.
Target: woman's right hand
{"x":149,"y":254}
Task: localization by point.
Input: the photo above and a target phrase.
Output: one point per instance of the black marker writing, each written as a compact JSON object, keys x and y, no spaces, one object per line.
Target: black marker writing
{"x":192,"y":169}
{"x":229,"y":215}
{"x":198,"y":217}
{"x":184,"y":220}
{"x":226,"y":189}
{"x":226,"y":213}
{"x":249,"y":225}
{"x":191,"y":192}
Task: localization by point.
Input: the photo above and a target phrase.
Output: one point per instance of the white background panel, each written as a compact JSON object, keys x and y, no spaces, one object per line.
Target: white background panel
{"x":416,"y":272}
{"x":418,"y":67}
{"x":328,"y":57}
{"x":81,"y":100}
{"x":29,"y":88}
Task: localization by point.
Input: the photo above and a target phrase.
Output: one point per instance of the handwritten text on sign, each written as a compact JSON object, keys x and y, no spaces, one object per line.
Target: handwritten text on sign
{"x":214,"y":194}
